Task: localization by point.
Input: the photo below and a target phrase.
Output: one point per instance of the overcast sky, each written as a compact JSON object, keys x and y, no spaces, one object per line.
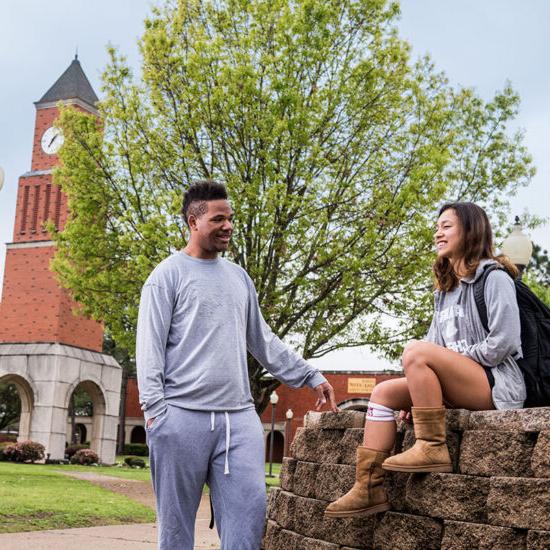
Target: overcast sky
{"x":476,"y":43}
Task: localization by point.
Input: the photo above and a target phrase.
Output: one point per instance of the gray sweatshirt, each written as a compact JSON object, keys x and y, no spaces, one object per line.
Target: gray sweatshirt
{"x":197,"y":319}
{"x":456,"y":325}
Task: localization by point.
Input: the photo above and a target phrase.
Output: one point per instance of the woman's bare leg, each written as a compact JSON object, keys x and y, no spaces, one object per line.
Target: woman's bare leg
{"x":435,"y":373}
{"x":395,"y":395}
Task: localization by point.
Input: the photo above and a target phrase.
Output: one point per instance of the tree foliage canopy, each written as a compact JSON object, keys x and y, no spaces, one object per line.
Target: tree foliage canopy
{"x":336,"y":149}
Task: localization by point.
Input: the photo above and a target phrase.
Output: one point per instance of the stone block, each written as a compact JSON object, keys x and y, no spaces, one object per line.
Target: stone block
{"x":305,"y":479}
{"x":496,"y":453}
{"x":111,"y":377}
{"x":277,"y":538}
{"x":112,"y":402}
{"x":528,"y":420}
{"x":407,"y":532}
{"x":321,"y":446}
{"x":90,"y":371}
{"x":110,"y":425}
{"x":341,"y":420}
{"x":396,"y":488}
{"x":311,"y":419}
{"x":45,"y":392}
{"x":305,"y":516}
{"x":333,"y":481}
{"x":448,"y":496}
{"x":61,"y":397}
{"x":540,"y":462}
{"x":41,"y":420}
{"x":43,"y":368}
{"x":286,"y":477}
{"x":538,"y":540}
{"x":14,"y":364}
{"x":353,"y":437}
{"x":519,"y":502}
{"x":69,"y":369}
{"x":457,"y":419}
{"x":458,"y":535}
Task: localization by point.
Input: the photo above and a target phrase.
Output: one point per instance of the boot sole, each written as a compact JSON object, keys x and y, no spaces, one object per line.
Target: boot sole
{"x":441,"y":468}
{"x":384,"y":507}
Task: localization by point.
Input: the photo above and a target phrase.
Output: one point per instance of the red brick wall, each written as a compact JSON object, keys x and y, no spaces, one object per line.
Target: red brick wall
{"x":34,"y":308}
{"x":132,"y":399}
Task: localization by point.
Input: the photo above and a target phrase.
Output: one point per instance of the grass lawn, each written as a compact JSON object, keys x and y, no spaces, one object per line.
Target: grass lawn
{"x":272,"y":481}
{"x":36,"y":497}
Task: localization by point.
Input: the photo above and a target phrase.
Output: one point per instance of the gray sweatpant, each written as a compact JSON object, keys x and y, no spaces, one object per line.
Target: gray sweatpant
{"x":224,"y":450}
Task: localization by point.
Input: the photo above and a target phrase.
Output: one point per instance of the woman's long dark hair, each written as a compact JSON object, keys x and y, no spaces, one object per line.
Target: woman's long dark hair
{"x":477,"y":245}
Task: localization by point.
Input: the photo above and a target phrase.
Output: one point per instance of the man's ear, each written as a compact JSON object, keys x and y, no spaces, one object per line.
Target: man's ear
{"x":192,"y":221}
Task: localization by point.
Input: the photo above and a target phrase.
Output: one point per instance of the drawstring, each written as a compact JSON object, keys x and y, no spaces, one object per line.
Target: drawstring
{"x":227,"y":437}
{"x":227,"y":442}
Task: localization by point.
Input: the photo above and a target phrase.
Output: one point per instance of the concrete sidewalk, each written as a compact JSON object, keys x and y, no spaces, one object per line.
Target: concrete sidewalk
{"x":138,"y":536}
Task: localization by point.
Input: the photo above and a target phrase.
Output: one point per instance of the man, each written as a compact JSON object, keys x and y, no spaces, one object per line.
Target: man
{"x":198,"y":317}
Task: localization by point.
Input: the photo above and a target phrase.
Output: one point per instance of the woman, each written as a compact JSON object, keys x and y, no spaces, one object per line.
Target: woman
{"x":459,"y":365}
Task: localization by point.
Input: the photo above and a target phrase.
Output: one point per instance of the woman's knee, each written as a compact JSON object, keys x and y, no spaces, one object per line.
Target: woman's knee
{"x":413,"y":355}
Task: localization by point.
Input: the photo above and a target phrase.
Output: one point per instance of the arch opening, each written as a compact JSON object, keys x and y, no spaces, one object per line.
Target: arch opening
{"x":16,"y":404}
{"x":86,"y":411}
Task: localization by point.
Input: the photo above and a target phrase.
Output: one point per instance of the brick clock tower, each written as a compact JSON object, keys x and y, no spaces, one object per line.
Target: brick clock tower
{"x":45,"y":349}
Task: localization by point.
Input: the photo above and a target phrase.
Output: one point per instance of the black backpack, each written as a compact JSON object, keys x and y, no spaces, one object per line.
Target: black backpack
{"x":535,"y":337}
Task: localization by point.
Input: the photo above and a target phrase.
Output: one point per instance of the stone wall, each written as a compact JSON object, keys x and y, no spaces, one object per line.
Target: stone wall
{"x":499,"y":497}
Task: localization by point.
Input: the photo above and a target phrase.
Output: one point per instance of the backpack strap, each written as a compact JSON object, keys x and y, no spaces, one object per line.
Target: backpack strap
{"x":479,"y":294}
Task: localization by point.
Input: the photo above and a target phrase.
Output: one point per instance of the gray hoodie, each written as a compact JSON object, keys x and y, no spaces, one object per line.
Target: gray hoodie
{"x":456,"y":325}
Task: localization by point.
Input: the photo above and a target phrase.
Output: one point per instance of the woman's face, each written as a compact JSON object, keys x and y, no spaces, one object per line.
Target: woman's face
{"x":448,"y":235}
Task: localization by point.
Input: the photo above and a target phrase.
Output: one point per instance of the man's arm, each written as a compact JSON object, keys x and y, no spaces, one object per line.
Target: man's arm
{"x":155,"y":316}
{"x":278,"y":359}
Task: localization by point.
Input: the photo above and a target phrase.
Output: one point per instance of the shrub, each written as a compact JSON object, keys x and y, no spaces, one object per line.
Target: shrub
{"x":134,"y":462}
{"x":10,"y":438}
{"x":24,"y":451}
{"x":72,"y":449}
{"x":136,"y":449}
{"x":85,"y":457}
{"x":3,"y":446}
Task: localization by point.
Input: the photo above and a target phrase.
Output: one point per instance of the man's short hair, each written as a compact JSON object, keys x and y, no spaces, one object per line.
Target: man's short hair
{"x":198,"y":194}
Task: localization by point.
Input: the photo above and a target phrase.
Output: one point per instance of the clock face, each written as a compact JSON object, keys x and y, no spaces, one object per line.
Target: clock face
{"x":52,"y":140}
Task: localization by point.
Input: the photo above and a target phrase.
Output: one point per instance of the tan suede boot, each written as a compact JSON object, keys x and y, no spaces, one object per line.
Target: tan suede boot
{"x":368,"y":495}
{"x":430,"y":452}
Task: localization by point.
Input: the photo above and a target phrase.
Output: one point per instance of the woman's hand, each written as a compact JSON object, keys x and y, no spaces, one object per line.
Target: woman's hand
{"x":406,"y":416}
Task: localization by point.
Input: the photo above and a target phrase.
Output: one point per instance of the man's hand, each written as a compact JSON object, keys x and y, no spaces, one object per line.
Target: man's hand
{"x":150,"y":421}
{"x":324,"y":392}
{"x":405,"y":416}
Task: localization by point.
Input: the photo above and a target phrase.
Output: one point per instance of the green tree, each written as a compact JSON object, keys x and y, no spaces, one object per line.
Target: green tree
{"x":537,"y":274}
{"x":10,"y":405}
{"x":335,"y":147}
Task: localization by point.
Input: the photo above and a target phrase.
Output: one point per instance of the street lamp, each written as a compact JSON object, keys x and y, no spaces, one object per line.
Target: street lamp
{"x":1,"y":178}
{"x":289,"y":414}
{"x":518,"y":247}
{"x":274,"y":398}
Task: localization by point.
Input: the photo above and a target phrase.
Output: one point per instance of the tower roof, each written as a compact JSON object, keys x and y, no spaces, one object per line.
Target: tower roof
{"x":72,"y":84}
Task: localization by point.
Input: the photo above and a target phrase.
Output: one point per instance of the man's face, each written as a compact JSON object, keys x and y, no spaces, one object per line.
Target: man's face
{"x":212,"y":230}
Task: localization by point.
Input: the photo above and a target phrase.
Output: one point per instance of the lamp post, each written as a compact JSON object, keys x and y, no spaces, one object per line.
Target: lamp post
{"x":289,"y":414}
{"x":274,"y":398}
{"x":1,"y":178}
{"x":518,"y":247}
